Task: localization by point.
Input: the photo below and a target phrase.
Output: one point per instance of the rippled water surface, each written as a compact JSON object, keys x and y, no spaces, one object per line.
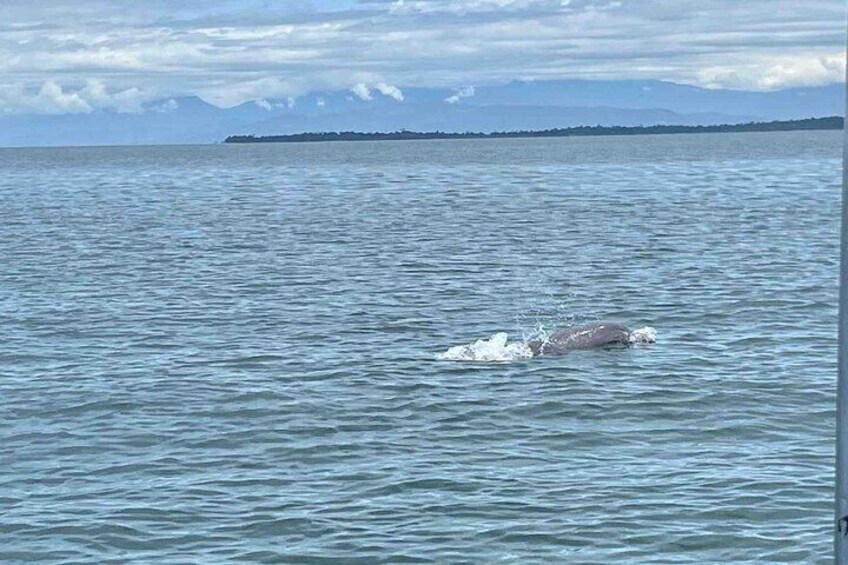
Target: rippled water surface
{"x":229,"y":353}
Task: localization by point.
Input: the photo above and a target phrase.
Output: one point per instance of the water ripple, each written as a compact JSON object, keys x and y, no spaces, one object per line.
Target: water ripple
{"x":228,"y":354}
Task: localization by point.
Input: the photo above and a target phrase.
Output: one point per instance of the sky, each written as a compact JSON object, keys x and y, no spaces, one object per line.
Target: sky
{"x":72,"y":56}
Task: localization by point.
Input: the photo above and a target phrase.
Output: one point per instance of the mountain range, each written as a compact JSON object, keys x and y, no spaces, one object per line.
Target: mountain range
{"x":519,"y":105}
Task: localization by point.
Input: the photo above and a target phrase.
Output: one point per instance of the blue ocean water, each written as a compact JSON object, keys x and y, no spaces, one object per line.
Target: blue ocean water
{"x":230,"y":353}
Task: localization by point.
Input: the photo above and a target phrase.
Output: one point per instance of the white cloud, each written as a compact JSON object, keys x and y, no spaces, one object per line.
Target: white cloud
{"x":231,"y":94}
{"x":471,"y":6}
{"x":266,"y":105}
{"x":775,"y":73}
{"x":804,"y":71}
{"x":165,"y":107}
{"x":464,"y":92}
{"x":362,"y":91}
{"x":390,"y":91}
{"x":320,"y":103}
{"x":53,"y":98}
{"x":96,"y":95}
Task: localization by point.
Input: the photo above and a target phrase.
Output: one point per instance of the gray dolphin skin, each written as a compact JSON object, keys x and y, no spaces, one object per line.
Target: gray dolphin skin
{"x":592,"y":336}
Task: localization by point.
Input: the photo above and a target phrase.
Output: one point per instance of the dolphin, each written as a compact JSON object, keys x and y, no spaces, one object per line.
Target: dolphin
{"x":592,"y":336}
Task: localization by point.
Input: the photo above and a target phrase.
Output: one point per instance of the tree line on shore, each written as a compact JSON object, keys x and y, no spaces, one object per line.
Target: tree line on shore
{"x":828,"y":123}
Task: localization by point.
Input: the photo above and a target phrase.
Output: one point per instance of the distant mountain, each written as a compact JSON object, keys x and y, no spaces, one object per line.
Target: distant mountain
{"x":513,"y":106}
{"x":788,"y":104}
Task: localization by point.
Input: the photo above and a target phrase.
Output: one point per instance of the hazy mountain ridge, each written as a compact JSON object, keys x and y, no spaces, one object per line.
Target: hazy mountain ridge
{"x":512,"y":106}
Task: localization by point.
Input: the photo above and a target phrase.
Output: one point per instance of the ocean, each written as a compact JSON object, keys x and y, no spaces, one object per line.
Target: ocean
{"x":238,"y":353}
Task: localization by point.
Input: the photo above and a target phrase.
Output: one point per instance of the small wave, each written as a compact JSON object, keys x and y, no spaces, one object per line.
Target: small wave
{"x":496,"y":348}
{"x":643,"y":335}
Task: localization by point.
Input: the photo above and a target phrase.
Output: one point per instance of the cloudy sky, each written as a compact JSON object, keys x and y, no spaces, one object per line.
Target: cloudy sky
{"x":61,"y":56}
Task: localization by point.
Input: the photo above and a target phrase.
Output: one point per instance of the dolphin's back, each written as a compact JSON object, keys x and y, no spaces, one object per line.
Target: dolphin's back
{"x":585,"y":337}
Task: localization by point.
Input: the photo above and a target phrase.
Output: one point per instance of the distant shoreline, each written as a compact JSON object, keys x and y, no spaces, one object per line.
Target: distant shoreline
{"x":828,"y":123}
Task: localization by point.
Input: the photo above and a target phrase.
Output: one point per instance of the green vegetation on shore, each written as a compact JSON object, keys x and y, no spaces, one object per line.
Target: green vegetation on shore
{"x":829,"y":123}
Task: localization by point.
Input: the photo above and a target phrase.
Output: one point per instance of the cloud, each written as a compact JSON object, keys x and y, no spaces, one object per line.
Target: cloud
{"x":228,"y":93}
{"x":267,"y":105}
{"x":804,"y":72}
{"x":97,"y":96}
{"x":52,"y":98}
{"x":99,"y":54}
{"x":362,"y":91}
{"x":776,"y":73}
{"x":389,"y":90}
{"x":464,"y":92}
{"x":473,"y":6}
{"x":165,"y":107}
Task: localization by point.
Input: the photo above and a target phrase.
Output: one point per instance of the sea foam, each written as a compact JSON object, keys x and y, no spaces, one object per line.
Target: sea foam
{"x":643,"y":335}
{"x":496,"y":348}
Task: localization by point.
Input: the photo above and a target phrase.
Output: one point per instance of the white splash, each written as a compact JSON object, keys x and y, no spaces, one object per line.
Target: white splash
{"x":643,"y":335}
{"x":496,"y":348}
